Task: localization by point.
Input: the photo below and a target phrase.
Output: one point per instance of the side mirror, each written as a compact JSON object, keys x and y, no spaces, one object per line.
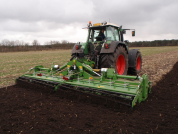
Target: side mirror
{"x":133,"y":33}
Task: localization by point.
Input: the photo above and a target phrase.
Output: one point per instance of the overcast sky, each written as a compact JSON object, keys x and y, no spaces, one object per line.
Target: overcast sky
{"x":46,"y":20}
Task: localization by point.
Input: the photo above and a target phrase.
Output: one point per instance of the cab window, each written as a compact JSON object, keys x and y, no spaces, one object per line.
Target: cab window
{"x":94,"y":33}
{"x":116,"y":34}
{"x":91,"y":35}
{"x":110,"y":33}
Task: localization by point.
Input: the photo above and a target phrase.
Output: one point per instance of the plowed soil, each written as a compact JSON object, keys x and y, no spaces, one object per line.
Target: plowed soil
{"x":32,"y":109}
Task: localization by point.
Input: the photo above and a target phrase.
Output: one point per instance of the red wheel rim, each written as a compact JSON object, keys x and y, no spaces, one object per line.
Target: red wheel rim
{"x":121,"y":64}
{"x":138,"y":63}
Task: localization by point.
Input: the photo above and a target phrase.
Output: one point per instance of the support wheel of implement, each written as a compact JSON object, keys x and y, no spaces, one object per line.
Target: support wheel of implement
{"x":118,"y":60}
{"x":138,"y":65}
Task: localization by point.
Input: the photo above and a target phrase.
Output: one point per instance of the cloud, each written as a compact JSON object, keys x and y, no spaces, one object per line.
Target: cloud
{"x":67,"y":11}
{"x":47,"y":20}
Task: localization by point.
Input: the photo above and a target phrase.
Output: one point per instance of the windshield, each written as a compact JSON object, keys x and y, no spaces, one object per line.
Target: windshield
{"x":108,"y":33}
{"x":97,"y":34}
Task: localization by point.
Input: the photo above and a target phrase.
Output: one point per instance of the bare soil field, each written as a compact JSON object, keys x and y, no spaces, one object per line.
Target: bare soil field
{"x":35,"y":109}
{"x":158,"y":64}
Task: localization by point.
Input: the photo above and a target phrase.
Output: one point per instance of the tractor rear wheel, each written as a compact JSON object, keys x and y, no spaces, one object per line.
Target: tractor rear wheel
{"x":118,"y":60}
{"x":138,"y":65}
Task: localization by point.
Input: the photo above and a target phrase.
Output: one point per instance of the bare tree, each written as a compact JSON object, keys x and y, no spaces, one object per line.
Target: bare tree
{"x":5,"y":42}
{"x":35,"y":43}
{"x":46,"y":43}
{"x":64,"y":42}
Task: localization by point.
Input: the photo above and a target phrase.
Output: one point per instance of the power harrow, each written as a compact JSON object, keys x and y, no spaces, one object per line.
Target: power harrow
{"x":79,"y":75}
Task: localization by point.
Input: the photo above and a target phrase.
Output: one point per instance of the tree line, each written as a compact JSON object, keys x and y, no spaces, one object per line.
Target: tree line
{"x":17,"y":46}
{"x":155,"y":43}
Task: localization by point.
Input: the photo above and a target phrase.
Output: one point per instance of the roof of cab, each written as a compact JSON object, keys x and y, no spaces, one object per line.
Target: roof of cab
{"x":99,"y":25}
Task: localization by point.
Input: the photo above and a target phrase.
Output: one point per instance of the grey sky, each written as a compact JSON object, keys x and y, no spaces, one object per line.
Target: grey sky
{"x":46,"y":20}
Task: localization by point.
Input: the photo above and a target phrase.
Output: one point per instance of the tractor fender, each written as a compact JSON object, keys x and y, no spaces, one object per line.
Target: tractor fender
{"x":80,"y":50}
{"x":132,"y":56}
{"x":113,"y":46}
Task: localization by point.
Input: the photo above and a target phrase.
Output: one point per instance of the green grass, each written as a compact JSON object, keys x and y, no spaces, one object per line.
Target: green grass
{"x":14,"y":64}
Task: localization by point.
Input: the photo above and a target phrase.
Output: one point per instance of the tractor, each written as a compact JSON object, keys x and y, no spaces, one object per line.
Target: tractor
{"x":97,"y":67}
{"x":109,"y":50}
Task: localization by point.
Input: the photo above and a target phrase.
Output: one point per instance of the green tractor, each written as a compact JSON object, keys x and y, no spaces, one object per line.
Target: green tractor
{"x":105,"y":46}
{"x":97,"y":67}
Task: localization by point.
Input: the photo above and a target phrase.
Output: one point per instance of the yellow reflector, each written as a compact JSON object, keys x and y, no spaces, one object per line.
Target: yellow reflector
{"x":97,"y":24}
{"x":100,"y":86}
{"x":91,"y":78}
{"x":80,"y":67}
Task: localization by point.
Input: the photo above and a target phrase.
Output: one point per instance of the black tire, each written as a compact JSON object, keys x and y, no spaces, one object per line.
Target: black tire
{"x":138,"y":65}
{"x":118,"y":60}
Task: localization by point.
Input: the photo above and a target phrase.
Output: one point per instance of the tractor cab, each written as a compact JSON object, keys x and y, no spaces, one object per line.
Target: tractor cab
{"x":111,"y":32}
{"x":101,"y":35}
{"x":103,"y":32}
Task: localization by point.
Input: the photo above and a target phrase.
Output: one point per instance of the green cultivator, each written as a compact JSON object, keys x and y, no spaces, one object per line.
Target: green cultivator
{"x":79,"y":75}
{"x":99,"y":66}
